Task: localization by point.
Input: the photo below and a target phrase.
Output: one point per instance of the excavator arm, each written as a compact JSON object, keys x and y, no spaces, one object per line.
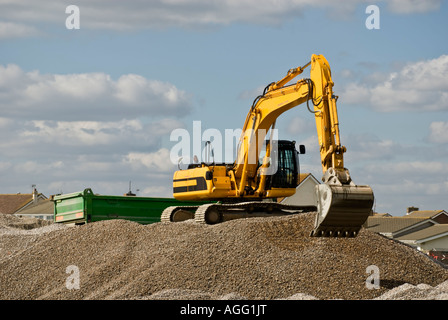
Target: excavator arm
{"x":342,"y":205}
{"x":279,"y":97}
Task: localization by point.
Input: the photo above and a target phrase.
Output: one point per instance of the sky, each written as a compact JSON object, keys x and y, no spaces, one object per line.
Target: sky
{"x":93,"y":102}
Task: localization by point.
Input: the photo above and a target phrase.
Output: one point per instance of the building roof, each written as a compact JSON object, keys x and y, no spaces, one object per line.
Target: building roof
{"x":390,"y":224}
{"x":377,"y":214}
{"x":43,"y":206}
{"x":435,"y":231}
{"x":425,"y":213}
{"x":304,"y":176}
{"x":10,"y":203}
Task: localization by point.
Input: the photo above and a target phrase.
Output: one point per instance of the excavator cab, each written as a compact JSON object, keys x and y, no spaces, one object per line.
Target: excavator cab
{"x":287,"y":167}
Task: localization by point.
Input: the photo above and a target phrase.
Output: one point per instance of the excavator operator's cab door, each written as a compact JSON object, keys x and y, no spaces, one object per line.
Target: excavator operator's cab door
{"x":284,"y":165}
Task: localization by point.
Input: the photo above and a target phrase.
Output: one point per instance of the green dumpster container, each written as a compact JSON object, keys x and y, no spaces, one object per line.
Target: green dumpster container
{"x":85,"y":206}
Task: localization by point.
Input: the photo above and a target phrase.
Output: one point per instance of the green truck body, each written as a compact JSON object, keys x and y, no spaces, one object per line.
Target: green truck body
{"x":85,"y":207}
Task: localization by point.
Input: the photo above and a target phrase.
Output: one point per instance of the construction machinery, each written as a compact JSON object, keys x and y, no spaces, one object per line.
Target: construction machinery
{"x":85,"y":207}
{"x":243,"y":187}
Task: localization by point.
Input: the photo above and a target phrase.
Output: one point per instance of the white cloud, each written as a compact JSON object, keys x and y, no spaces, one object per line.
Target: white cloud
{"x":87,"y":96}
{"x":158,"y":191}
{"x":70,"y":132}
{"x":420,"y":86}
{"x":89,"y":136}
{"x":83,"y":151}
{"x":406,"y":183}
{"x":298,"y":125}
{"x":5,"y":122}
{"x":413,"y":6}
{"x":361,"y":147}
{"x":5,"y":166}
{"x":31,"y":167}
{"x":251,"y":94}
{"x":158,"y":161}
{"x":119,"y":15}
{"x":438,"y":132}
{"x":409,"y":169}
{"x":394,"y":196}
{"x":130,"y":15}
{"x":17,"y":30}
{"x":82,"y":132}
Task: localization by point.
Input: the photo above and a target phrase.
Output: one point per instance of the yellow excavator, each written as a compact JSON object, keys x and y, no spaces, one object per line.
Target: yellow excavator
{"x":243,"y":188}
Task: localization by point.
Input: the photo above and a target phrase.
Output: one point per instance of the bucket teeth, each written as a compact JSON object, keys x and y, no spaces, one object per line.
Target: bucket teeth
{"x":324,"y":232}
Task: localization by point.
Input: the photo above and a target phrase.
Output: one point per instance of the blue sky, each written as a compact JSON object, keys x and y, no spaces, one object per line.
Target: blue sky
{"x":95,"y":107}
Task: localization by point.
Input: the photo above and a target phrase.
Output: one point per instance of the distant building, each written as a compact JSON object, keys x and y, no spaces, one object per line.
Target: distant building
{"x":377,"y":214}
{"x":439,"y":216}
{"x":12,"y":203}
{"x":305,"y":192}
{"x":42,"y":209}
{"x":433,"y":238}
{"x":425,"y":230}
{"x":387,"y":226}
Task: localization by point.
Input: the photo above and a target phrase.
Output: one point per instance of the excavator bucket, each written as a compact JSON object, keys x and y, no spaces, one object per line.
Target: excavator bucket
{"x":341,"y":210}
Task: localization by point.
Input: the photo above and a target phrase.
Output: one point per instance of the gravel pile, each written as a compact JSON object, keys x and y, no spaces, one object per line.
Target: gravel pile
{"x":419,"y":292}
{"x":257,"y":258}
{"x":10,"y":223}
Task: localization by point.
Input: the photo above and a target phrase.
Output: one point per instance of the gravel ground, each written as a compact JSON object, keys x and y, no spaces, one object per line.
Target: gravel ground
{"x":257,"y":258}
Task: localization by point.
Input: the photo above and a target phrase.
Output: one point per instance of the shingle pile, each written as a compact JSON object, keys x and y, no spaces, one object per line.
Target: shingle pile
{"x":257,"y":258}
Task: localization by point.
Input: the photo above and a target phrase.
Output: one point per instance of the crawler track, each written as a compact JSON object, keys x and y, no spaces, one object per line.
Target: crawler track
{"x":178,"y":213}
{"x":213,"y":213}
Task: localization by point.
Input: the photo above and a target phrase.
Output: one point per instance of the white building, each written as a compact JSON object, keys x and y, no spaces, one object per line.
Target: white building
{"x":305,"y":192}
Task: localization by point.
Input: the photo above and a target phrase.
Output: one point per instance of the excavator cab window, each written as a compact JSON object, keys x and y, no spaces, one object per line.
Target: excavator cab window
{"x":286,"y":159}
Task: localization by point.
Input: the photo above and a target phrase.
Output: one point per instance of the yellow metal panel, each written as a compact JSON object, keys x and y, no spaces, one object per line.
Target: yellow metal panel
{"x":184,"y":183}
{"x":221,"y":182}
